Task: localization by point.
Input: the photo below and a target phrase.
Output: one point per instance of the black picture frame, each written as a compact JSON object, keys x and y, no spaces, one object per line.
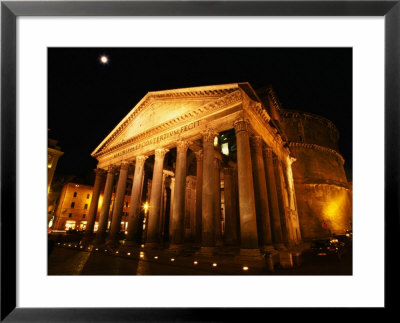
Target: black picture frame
{"x":10,"y":10}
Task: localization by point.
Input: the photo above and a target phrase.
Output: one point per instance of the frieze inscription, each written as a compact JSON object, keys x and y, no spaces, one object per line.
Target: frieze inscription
{"x":158,"y":139}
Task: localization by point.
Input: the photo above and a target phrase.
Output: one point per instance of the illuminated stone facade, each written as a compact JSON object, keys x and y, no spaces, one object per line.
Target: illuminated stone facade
{"x":74,"y":206}
{"x":215,"y":167}
{"x":324,"y":196}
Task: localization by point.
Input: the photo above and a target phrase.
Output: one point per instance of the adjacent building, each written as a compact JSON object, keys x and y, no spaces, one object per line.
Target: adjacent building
{"x":53,"y":154}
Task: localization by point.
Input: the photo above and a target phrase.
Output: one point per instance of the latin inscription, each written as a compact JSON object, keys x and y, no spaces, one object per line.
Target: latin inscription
{"x":160,"y":138}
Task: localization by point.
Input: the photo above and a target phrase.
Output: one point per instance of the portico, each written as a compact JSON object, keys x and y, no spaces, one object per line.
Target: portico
{"x":214,"y":168}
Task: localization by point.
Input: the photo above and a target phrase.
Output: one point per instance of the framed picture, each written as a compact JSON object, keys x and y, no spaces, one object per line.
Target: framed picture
{"x":369,"y":28}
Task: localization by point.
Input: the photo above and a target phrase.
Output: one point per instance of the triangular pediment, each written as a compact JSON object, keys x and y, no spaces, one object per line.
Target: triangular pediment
{"x":161,"y":108}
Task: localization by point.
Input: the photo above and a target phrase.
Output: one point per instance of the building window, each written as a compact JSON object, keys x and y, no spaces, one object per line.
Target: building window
{"x":72,"y":205}
{"x":87,"y":196}
{"x":126,"y":204}
{"x":84,"y":216}
{"x":75,"y":194}
{"x":86,"y":206}
{"x":70,"y":215}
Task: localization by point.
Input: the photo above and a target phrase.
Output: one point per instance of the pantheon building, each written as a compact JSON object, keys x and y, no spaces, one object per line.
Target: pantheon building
{"x":216,"y":166}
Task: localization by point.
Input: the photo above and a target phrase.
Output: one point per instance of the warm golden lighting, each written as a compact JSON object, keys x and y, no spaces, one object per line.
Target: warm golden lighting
{"x":97,"y":249}
{"x":155,"y":257}
{"x":172,"y":259}
{"x":215,"y":141}
{"x":146,"y":207}
{"x":195,"y":262}
{"x":225,"y":149}
{"x":128,"y":253}
{"x":142,"y":245}
{"x":214,"y":264}
{"x":245,"y":268}
{"x":117,"y":252}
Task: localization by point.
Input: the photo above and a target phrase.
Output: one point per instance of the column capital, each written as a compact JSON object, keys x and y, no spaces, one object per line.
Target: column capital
{"x":182,"y":145}
{"x":111,"y":169}
{"x":124,"y":165}
{"x":100,"y":172}
{"x":268,"y":151}
{"x":217,"y":162}
{"x":241,"y":125}
{"x":160,"y":152}
{"x":209,"y":135}
{"x":256,"y":141}
{"x":199,"y":155}
{"x":141,"y":159}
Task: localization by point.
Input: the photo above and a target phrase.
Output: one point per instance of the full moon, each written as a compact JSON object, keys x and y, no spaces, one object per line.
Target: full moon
{"x":104,"y":59}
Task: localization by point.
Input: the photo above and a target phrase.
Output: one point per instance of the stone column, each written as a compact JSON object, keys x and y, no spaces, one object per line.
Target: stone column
{"x":171,"y":207}
{"x":95,"y":201}
{"x":248,"y":223}
{"x":178,"y":218}
{"x":260,"y":193}
{"x":134,"y":210}
{"x":207,"y":197}
{"x":273,"y":198}
{"x":119,"y":202}
{"x":105,"y":208}
{"x":217,"y":201}
{"x":231,"y":221}
{"x":155,"y":198}
{"x":199,"y":185}
{"x":282,"y":199}
{"x":162,"y":206}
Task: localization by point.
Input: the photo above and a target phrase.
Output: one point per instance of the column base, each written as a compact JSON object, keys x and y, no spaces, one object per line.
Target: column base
{"x":130,"y":243}
{"x":268,"y":249}
{"x":87,"y":239}
{"x":98,"y":242}
{"x":153,"y":245}
{"x":205,"y":252}
{"x":112,"y":244}
{"x":280,"y":246}
{"x":271,"y":256}
{"x":251,"y":257}
{"x":285,"y":259}
{"x":176,"y":249}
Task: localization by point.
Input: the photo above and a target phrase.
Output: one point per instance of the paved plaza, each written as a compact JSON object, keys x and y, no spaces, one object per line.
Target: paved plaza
{"x":74,"y":259}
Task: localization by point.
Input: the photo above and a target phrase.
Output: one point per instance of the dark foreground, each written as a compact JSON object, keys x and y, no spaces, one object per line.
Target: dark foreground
{"x":71,"y":259}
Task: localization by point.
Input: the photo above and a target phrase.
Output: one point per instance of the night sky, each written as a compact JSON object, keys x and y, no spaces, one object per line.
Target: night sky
{"x":87,"y":99}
